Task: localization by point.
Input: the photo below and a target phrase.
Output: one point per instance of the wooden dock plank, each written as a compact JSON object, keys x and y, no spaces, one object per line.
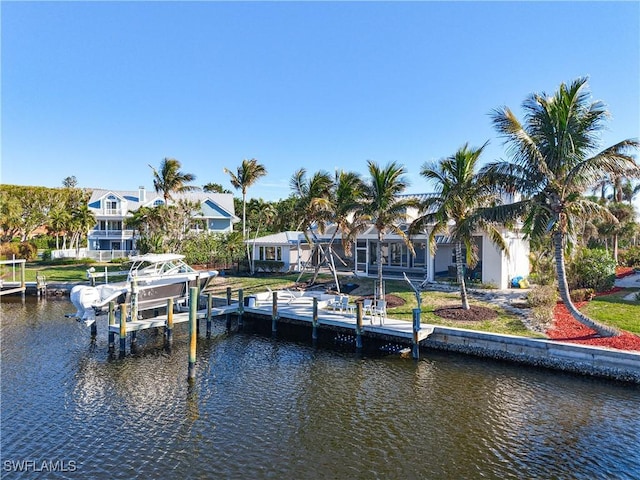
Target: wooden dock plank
{"x":161,"y":320}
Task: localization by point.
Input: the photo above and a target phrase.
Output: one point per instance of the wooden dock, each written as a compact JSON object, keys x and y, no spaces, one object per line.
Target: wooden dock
{"x":308,"y":311}
{"x":161,"y":321}
{"x":401,"y":330}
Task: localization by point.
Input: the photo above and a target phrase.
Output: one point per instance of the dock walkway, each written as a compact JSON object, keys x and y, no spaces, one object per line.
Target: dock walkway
{"x":303,"y":311}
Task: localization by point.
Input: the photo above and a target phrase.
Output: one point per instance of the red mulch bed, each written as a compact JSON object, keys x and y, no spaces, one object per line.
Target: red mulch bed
{"x":567,"y":329}
{"x":622,"y":272}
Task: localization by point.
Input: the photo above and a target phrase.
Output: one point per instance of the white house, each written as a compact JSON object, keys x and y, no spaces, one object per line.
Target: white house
{"x":494,"y":266}
{"x":112,"y":207}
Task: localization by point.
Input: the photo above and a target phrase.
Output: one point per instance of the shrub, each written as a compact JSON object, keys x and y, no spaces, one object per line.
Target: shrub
{"x":593,"y":269}
{"x":630,"y":257}
{"x":581,"y":294}
{"x":542,"y":299}
{"x":542,"y":295}
{"x":26,"y":250}
{"x":270,"y":266}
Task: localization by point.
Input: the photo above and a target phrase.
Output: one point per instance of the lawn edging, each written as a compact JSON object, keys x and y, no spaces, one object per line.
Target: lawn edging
{"x":569,"y":357}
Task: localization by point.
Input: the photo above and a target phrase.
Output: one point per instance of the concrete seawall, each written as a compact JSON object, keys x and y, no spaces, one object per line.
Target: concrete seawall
{"x":583,"y":359}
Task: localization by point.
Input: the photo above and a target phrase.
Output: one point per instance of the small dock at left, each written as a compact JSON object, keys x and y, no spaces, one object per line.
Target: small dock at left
{"x":17,"y":285}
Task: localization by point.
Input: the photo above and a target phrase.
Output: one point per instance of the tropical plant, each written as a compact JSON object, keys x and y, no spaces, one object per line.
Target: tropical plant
{"x":171,"y":180}
{"x":554,"y":159}
{"x":246,"y":175}
{"x":214,"y":188}
{"x":382,"y":205}
{"x":460,"y":192}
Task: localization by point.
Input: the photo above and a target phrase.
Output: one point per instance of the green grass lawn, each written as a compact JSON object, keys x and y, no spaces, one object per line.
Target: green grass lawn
{"x":55,"y":273}
{"x":614,"y":310}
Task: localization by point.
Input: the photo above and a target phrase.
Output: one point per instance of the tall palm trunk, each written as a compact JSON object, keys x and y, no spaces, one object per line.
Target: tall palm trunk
{"x":379,"y":259}
{"x":563,"y":287}
{"x":460,"y":275}
{"x":244,"y":215}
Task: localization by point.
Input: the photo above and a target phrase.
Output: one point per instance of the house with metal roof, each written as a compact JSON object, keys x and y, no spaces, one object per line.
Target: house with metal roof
{"x":494,"y":266}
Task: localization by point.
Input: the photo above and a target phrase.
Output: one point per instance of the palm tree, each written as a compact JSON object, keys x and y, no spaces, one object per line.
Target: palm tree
{"x":82,"y":219}
{"x":313,"y":199}
{"x":460,"y":191}
{"x":171,"y":180}
{"x":313,"y":206}
{"x":382,"y":206}
{"x":343,"y":200}
{"x":247,"y":174}
{"x":554,"y":160}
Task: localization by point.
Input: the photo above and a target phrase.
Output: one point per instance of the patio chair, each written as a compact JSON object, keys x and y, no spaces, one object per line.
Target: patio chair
{"x":380,"y":310}
{"x":367,"y":309}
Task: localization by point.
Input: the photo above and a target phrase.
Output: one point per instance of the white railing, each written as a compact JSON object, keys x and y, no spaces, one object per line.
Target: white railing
{"x":97,"y":255}
{"x":111,"y":233}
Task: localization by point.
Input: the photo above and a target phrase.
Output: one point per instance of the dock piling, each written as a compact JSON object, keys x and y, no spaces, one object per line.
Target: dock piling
{"x":240,"y":308}
{"x":228,"y":316}
{"x":359,"y":325}
{"x":112,"y":321}
{"x":314,"y":321}
{"x":193,"y":332}
{"x":123,"y":328}
{"x":274,"y":314}
{"x":169,"y":327}
{"x":416,"y":332}
{"x":209,"y":309}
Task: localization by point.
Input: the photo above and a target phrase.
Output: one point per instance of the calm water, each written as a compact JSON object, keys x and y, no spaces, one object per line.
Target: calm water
{"x":262,"y":408}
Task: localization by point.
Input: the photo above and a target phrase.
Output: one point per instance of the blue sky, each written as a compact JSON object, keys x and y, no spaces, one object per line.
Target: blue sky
{"x":100,"y":90}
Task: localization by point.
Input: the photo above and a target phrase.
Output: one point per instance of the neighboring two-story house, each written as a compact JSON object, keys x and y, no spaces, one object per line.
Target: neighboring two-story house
{"x":112,"y":207}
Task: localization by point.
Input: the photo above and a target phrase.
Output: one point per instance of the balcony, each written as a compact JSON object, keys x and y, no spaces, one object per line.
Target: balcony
{"x":114,"y":234}
{"x":112,"y":211}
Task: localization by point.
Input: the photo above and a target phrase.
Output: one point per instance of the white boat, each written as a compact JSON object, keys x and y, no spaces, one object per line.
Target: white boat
{"x":154,"y":278}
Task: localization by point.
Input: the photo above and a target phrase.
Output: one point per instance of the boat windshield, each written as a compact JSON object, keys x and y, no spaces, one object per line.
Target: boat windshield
{"x":171,"y":267}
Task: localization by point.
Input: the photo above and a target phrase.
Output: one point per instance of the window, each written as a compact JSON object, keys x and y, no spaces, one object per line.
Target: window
{"x":396,"y":256}
{"x":271,"y":253}
{"x":111,"y":205}
{"x":158,"y":202}
{"x":421,"y":254}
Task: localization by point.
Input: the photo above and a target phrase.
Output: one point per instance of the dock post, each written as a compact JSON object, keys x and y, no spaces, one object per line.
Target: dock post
{"x":228,"y":315}
{"x":209,"y":313}
{"x":23,"y":283}
{"x":123,"y":328}
{"x":240,"y":308}
{"x":314,"y":321}
{"x":193,"y":331}
{"x":359,"y":325}
{"x":169,"y":329}
{"x":274,"y":314}
{"x":416,"y":329}
{"x":112,"y":321}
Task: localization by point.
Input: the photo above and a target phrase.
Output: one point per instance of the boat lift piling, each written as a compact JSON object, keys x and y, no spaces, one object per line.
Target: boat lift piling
{"x":123,"y":329}
{"x":193,"y":331}
{"x":112,"y":321}
{"x":169,"y":327}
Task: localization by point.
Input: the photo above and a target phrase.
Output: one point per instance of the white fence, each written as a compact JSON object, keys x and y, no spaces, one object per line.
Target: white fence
{"x":97,"y":255}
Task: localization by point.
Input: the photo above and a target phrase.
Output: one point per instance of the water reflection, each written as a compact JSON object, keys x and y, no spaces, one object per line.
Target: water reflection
{"x":277,"y":409}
